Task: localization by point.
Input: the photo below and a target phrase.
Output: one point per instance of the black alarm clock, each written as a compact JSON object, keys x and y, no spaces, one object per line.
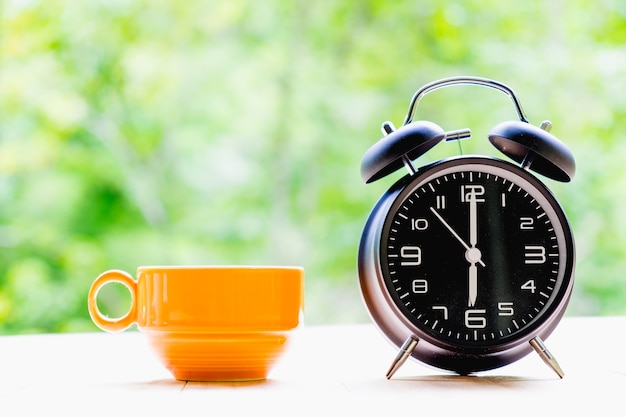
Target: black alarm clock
{"x":467,"y":264}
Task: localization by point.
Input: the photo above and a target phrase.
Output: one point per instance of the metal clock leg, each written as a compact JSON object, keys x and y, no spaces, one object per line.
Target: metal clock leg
{"x":547,"y":357}
{"x":405,"y":351}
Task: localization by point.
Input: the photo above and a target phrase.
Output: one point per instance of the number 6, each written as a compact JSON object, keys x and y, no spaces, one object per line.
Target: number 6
{"x":475,"y":322}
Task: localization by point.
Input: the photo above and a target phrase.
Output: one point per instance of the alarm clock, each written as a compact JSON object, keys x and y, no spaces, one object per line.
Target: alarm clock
{"x":467,"y":264}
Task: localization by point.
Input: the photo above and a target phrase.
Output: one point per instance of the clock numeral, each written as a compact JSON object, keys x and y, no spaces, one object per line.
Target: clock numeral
{"x":411,"y":255}
{"x":441,"y":202}
{"x":420,"y":286}
{"x":503,"y":200}
{"x":534,"y":254}
{"x":443,"y":309}
{"x":529,"y":286}
{"x":474,"y":320}
{"x":505,"y":309}
{"x":419,"y":224}
{"x":526,"y":223}
{"x":474,"y":189}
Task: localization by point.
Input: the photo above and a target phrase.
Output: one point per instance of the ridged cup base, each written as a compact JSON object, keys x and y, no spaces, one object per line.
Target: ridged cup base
{"x":218,"y":357}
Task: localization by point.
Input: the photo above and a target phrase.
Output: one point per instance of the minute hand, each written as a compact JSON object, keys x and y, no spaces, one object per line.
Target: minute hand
{"x":473,"y":220}
{"x":454,"y":233}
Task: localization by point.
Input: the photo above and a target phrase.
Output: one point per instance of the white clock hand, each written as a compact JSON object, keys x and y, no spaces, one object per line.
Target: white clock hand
{"x":471,"y":257}
{"x":472,"y":254}
{"x":454,"y":233}
{"x":473,"y":220}
{"x":473,"y":285}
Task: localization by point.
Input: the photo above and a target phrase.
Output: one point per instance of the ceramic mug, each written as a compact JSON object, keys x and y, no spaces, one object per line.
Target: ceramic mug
{"x":210,"y":323}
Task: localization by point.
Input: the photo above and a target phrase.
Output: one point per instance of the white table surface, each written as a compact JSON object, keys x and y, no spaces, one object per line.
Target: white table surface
{"x":334,"y":370}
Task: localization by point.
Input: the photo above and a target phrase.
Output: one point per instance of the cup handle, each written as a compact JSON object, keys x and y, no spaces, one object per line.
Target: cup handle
{"x":113,"y":325}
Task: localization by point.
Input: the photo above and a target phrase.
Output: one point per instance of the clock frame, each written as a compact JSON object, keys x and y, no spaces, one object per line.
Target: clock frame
{"x":414,"y":269}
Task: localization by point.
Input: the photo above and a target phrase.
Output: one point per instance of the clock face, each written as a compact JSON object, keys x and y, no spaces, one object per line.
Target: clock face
{"x":476,"y":253}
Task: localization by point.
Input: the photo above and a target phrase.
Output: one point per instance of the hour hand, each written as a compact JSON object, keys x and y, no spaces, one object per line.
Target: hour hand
{"x":473,"y":285}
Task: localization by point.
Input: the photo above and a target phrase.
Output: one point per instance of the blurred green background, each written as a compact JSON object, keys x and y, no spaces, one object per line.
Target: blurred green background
{"x":137,"y":132}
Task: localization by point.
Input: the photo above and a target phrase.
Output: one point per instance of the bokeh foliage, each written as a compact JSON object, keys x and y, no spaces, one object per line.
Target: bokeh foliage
{"x":136,"y":132}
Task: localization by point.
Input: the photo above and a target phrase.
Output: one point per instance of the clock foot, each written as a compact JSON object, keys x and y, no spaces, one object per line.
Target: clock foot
{"x":547,"y":357}
{"x":405,"y":351}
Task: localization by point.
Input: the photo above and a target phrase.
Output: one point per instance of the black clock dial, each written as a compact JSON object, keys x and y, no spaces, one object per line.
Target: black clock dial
{"x":475,"y":253}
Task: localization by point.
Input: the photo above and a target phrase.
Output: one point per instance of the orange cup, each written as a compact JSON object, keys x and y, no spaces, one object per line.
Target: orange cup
{"x":210,"y":323}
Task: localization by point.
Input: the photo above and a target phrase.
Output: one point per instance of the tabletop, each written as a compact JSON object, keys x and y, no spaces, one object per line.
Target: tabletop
{"x":334,"y":370}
